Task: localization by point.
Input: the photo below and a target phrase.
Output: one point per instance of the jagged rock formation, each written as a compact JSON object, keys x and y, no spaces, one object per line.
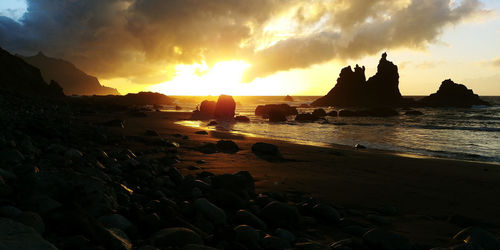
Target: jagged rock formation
{"x":352,"y":89}
{"x":73,"y":80}
{"x":18,"y":77}
{"x":451,"y":94}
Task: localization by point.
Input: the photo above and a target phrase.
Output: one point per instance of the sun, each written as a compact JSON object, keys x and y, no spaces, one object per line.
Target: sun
{"x":223,"y":77}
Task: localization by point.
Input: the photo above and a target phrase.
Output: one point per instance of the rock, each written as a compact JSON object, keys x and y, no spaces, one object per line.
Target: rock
{"x":197,"y":247}
{"x":32,"y":220}
{"x":117,"y":239}
{"x":241,"y":183}
{"x":267,"y":151}
{"x":477,"y":237}
{"x":212,"y":123}
{"x":246,"y":217}
{"x":381,"y":239}
{"x":326,"y":213}
{"x":227,"y":146}
{"x":285,"y":109}
{"x":272,"y":242}
{"x":306,"y":117}
{"x":359,"y":146}
{"x":347,"y":113}
{"x":175,"y":237}
{"x":208,"y":148}
{"x":280,"y":214}
{"x":73,"y":154}
{"x":319,"y":113}
{"x":177,"y":107}
{"x":208,"y":107}
{"x":332,"y":113}
{"x":241,"y":118}
{"x":201,"y":132}
{"x":14,"y":235}
{"x":451,"y":94}
{"x":210,"y":211}
{"x":115,"y":123}
{"x":285,"y":234}
{"x":413,"y":113}
{"x":304,"y":105}
{"x":247,"y":235}
{"x":116,"y":221}
{"x":288,"y":99}
{"x":151,"y":132}
{"x":277,"y":116}
{"x":11,"y":156}
{"x":224,"y":109}
{"x":352,"y":89}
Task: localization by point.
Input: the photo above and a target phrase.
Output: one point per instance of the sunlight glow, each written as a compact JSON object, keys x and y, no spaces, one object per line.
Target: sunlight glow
{"x":199,"y":79}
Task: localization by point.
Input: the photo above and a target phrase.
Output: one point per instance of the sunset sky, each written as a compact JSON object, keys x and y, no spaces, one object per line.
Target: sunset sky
{"x":260,"y":47}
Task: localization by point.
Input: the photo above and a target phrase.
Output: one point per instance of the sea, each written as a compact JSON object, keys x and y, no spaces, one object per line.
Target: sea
{"x":459,"y":133}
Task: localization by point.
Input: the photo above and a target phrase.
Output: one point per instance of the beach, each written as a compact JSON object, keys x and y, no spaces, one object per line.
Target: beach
{"x":432,"y":198}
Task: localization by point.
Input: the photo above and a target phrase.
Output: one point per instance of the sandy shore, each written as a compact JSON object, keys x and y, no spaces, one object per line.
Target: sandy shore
{"x":425,"y":192}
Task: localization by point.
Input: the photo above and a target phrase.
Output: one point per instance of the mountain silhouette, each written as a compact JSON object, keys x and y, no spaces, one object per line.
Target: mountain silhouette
{"x":20,"y":78}
{"x":73,"y":80}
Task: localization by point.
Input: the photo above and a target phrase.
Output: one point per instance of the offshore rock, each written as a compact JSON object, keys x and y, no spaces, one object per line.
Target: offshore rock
{"x":451,"y":94}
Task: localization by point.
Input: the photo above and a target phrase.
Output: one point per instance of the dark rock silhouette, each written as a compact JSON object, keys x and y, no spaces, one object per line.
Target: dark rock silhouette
{"x":451,"y":94}
{"x":352,"y":89}
{"x":319,"y":113}
{"x":208,"y":107}
{"x":332,"y":113}
{"x":73,"y":80}
{"x":276,"y":115}
{"x":307,"y":117}
{"x":18,"y":77}
{"x":288,"y":98}
{"x":285,"y":109}
{"x":225,"y":107}
{"x":241,"y":118}
{"x":267,"y":151}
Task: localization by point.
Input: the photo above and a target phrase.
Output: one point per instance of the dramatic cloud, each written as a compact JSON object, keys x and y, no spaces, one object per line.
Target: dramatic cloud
{"x":143,"y":40}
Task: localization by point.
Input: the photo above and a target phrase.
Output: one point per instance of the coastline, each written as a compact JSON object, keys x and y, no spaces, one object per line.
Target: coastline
{"x":428,"y":192}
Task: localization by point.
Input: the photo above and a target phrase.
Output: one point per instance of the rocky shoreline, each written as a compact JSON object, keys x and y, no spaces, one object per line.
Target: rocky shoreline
{"x":70,"y":182}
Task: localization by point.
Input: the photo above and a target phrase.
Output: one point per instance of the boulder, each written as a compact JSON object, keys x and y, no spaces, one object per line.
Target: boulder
{"x":477,"y":237}
{"x":273,"y":242}
{"x":208,"y":148}
{"x":451,"y":94}
{"x":306,"y":117}
{"x":326,"y":213}
{"x":210,"y":211}
{"x":288,"y":99}
{"x":241,"y":118}
{"x":332,"y":113}
{"x":352,"y":88}
{"x":175,"y":237}
{"x":14,"y":235}
{"x":227,"y":146}
{"x":277,"y":116}
{"x":224,"y":109}
{"x":248,"y":218}
{"x":280,"y":214}
{"x":247,"y":235}
{"x":319,"y":113}
{"x":285,"y":109}
{"x":267,"y":151}
{"x":381,"y":239}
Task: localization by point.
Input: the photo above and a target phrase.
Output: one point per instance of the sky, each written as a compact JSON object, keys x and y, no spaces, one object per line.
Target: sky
{"x":269,"y":47}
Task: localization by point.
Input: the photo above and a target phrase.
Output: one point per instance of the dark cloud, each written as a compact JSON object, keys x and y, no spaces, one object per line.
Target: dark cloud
{"x":143,"y":39}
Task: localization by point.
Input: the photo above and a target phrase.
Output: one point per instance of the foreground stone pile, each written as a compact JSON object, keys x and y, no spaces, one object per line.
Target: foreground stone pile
{"x":66,"y":184}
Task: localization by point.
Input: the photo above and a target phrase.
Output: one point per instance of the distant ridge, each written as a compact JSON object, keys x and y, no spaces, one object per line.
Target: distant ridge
{"x":73,"y":80}
{"x":20,"y":78}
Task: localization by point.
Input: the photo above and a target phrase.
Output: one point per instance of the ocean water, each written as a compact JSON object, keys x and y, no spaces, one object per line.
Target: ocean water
{"x":469,"y":134}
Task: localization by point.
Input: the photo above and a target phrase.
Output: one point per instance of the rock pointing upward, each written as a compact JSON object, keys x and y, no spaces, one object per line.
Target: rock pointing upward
{"x":352,"y":89}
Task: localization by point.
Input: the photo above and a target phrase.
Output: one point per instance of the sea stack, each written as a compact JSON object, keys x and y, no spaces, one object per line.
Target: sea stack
{"x":224,"y":109}
{"x":353,"y":90}
{"x":451,"y":94}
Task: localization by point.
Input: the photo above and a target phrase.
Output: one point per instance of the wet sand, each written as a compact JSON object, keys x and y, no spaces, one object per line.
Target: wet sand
{"x":425,"y":192}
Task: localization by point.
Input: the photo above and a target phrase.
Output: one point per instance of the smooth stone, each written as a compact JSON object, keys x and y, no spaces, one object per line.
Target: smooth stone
{"x":248,"y":218}
{"x":210,"y":211}
{"x":15,"y":235}
{"x":285,"y":234}
{"x":247,"y":235}
{"x":116,"y":221}
{"x":478,"y":237}
{"x":32,"y":220}
{"x":73,"y":154}
{"x":175,"y":237}
{"x":117,"y":239}
{"x":227,"y":146}
{"x":208,"y":148}
{"x":382,"y":239}
{"x":326,"y":212}
{"x":273,"y":242}
{"x":280,"y":214}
